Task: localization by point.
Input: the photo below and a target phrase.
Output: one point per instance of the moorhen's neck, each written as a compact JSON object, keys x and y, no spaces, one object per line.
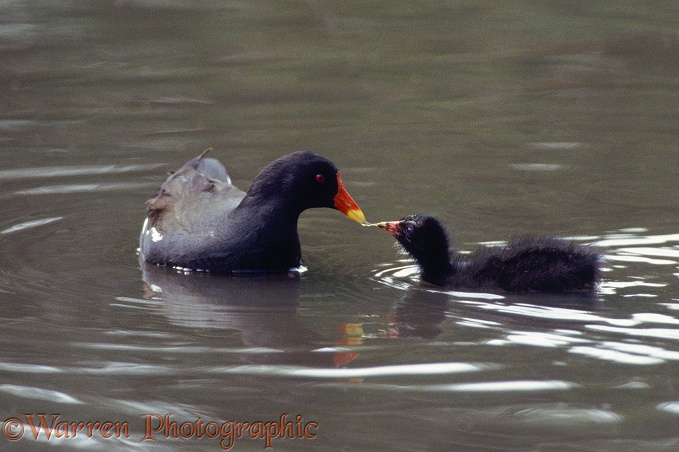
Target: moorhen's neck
{"x":435,"y":265}
{"x":273,"y":205}
{"x":272,"y":218}
{"x":274,"y":196}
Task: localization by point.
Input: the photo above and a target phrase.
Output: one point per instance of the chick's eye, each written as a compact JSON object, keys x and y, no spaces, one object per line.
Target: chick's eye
{"x":320,"y":178}
{"x":410,"y":229}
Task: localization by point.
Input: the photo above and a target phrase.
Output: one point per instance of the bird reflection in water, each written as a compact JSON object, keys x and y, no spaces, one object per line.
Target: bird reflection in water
{"x":262,"y":307}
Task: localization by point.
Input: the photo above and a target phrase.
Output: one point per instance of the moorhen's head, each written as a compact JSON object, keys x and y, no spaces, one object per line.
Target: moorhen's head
{"x":306,"y":180}
{"x":425,"y":239}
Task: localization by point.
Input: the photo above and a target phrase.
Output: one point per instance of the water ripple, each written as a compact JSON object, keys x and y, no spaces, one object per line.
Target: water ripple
{"x":669,"y":407}
{"x":538,"y":339}
{"x":379,"y":371}
{"x":120,"y":368}
{"x":510,"y":386}
{"x":62,"y":171}
{"x":613,"y":241}
{"x":564,"y":415}
{"x":617,"y":356}
{"x":28,"y":368}
{"x":84,"y":188}
{"x":30,"y":224}
{"x":30,"y":392}
{"x":659,"y":333}
{"x":537,"y":166}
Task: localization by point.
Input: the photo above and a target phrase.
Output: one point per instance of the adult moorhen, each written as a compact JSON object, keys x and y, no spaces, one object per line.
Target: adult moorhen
{"x":198,"y":220}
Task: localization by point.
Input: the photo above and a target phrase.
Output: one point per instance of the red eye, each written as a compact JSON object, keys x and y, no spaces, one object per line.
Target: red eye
{"x":320,"y":178}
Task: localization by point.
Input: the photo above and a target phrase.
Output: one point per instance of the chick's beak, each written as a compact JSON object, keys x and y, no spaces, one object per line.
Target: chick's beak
{"x":345,"y":204}
{"x":390,"y":226}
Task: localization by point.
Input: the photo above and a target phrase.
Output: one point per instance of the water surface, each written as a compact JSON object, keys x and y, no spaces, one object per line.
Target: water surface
{"x":556,"y":118}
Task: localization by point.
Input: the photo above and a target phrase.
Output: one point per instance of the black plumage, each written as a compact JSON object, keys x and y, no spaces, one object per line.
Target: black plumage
{"x":198,"y":220}
{"x":526,"y":265}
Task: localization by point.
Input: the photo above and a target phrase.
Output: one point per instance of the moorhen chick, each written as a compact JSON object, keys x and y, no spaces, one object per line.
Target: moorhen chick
{"x":198,"y":220}
{"x":524,"y":265}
